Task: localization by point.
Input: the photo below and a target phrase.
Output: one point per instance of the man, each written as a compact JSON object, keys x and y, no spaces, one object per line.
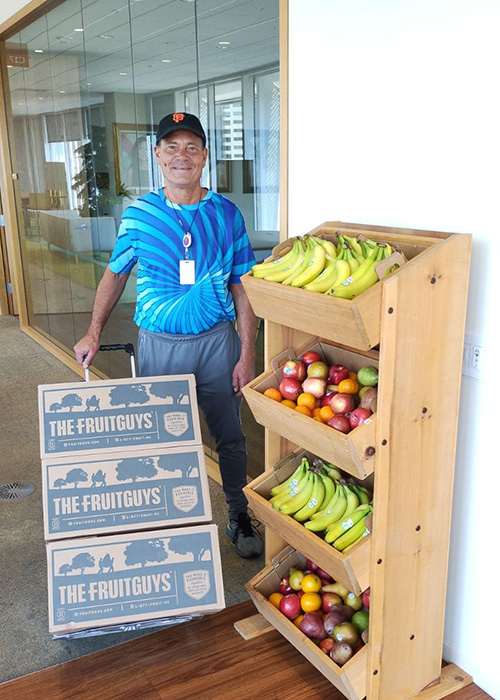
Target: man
{"x":192,"y":248}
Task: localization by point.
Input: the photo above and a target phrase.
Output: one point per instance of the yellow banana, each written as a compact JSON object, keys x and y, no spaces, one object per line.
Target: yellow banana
{"x":352,"y":536}
{"x":345,"y":524}
{"x":354,"y":245}
{"x":300,"y":498}
{"x":343,"y":272}
{"x":292,"y":480}
{"x":326,"y":278}
{"x":352,"y":260}
{"x":332,"y":513}
{"x":316,"y":499}
{"x":329,"y":247}
{"x":301,"y":264}
{"x":266,"y":268}
{"x":281,"y":274}
{"x":315,"y":267}
{"x":364,"y":277}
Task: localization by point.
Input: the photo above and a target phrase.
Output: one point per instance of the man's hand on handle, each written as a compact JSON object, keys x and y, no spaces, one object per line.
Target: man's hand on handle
{"x":86,"y":349}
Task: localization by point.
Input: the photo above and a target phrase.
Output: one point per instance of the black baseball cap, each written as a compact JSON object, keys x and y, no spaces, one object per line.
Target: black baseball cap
{"x":177,"y":121}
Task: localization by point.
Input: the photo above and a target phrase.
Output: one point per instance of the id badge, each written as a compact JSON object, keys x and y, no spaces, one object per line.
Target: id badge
{"x":186,"y":271}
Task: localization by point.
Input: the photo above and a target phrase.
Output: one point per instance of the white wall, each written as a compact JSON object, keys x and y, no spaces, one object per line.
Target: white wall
{"x":8,"y":9}
{"x":395,"y":120}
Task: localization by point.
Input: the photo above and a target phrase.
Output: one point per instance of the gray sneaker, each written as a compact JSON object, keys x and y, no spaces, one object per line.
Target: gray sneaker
{"x":246,"y":538}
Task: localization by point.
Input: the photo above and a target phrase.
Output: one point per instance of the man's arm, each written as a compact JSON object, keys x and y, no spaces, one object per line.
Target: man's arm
{"x":106,"y":298}
{"x":244,"y":370}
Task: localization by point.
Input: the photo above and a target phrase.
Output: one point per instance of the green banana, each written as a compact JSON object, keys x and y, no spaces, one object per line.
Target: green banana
{"x":329,"y":485}
{"x":281,"y":274}
{"x":354,"y":245}
{"x":288,"y":494}
{"x":316,"y":499}
{"x":264,"y":268}
{"x":301,"y":264}
{"x":364,"y":277}
{"x":352,"y":536}
{"x":352,"y":260}
{"x":326,"y":278}
{"x":315,"y":267}
{"x":331,"y":515}
{"x":300,"y":498}
{"x":346,"y":523}
{"x":331,"y":469}
{"x":363,"y":494}
{"x":292,"y":480}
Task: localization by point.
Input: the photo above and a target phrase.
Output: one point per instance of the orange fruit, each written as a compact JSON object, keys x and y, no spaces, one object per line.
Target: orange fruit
{"x":311,"y":583}
{"x":318,"y":418}
{"x":287,"y":402}
{"x":354,"y":376}
{"x":310,"y":602}
{"x":326,"y":413}
{"x":316,"y":412}
{"x":297,"y":620}
{"x":275,"y":598}
{"x":273,"y":394}
{"x":303,"y":409}
{"x":348,"y":386}
{"x":307,"y":400}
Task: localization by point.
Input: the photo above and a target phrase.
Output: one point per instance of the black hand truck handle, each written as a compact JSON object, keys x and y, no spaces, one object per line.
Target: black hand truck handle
{"x":128,"y":347}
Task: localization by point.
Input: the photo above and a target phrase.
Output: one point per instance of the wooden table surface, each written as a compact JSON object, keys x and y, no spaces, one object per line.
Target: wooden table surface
{"x":205,"y":659}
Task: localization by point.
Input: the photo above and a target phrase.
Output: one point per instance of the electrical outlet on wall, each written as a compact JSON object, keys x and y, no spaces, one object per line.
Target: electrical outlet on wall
{"x":473,"y":360}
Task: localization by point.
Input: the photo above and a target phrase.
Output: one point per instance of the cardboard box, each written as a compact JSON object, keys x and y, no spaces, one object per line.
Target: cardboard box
{"x":350,"y":679}
{"x":124,"y":491}
{"x":354,"y":452}
{"x":105,"y":581}
{"x":117,"y":415}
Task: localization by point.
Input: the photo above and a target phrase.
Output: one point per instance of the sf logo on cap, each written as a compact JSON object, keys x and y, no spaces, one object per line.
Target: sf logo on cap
{"x":177,"y":117}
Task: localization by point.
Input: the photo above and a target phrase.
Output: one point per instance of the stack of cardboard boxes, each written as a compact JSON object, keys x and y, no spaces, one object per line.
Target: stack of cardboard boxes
{"x":126,"y":506}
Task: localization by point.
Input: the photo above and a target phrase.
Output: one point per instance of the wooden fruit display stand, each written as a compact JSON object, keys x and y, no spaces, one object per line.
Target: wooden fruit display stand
{"x":413,"y":324}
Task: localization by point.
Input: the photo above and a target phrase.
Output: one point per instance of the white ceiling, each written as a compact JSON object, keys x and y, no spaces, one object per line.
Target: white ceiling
{"x":135,"y":37}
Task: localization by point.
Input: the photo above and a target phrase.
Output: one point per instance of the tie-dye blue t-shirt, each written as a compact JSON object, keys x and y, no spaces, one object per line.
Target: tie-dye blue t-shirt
{"x":150,"y":234}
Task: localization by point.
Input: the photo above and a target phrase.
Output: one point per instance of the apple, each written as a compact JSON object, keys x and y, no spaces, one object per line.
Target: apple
{"x":325,"y":400}
{"x":284,"y":586}
{"x":314,"y":386}
{"x":324,"y":576}
{"x":290,"y":606}
{"x":328,"y":600}
{"x":295,"y":369}
{"x":337,"y":373}
{"x":309,"y":357}
{"x":366,"y":598}
{"x":326,"y":645}
{"x":358,"y":416}
{"x":340,"y":423}
{"x":318,"y":369}
{"x":311,"y":567}
{"x":342,"y":403}
{"x":290,"y":388}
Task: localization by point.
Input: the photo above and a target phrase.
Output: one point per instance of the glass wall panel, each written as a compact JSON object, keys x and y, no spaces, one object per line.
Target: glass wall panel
{"x":97,"y":79}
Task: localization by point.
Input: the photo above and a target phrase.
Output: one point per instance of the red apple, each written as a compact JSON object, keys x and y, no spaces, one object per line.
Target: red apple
{"x":324,"y":576}
{"x":342,"y":403}
{"x":290,"y":388}
{"x":309,"y":357}
{"x":284,"y":586}
{"x":314,"y":386}
{"x":318,"y":369}
{"x":366,"y":598}
{"x":290,"y":606}
{"x":295,"y":369}
{"x":326,"y":645}
{"x":328,"y":600}
{"x":340,"y":423}
{"x":358,"y":416}
{"x":337,"y":373}
{"x":311,"y":566}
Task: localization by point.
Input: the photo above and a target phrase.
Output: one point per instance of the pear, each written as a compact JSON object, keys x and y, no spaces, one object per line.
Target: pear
{"x":346,"y":633}
{"x":295,"y":578}
{"x":341,"y":653}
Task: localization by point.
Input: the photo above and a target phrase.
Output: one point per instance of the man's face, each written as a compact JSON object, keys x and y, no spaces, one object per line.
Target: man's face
{"x":182,"y":158}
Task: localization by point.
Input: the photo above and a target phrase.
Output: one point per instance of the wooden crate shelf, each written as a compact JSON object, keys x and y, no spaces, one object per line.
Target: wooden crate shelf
{"x":417,"y":318}
{"x":352,"y":569}
{"x":350,"y":679}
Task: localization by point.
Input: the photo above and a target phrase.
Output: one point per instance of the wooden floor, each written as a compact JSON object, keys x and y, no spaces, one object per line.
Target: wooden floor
{"x":205,"y":659}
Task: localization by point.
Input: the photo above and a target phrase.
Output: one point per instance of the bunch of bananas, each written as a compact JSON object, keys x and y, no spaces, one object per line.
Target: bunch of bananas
{"x":318,"y":265}
{"x":326,"y":503}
